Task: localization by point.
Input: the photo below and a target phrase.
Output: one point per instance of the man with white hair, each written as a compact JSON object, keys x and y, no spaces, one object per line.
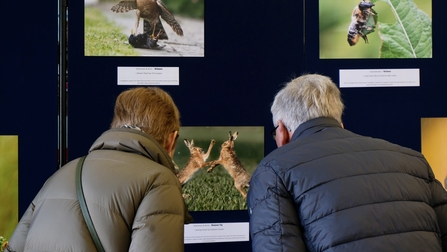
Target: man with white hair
{"x":328,"y":189}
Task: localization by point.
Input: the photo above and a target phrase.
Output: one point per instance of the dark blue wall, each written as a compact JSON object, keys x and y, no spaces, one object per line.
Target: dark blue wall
{"x":252,"y":48}
{"x":233,"y":84}
{"x":28,"y":90}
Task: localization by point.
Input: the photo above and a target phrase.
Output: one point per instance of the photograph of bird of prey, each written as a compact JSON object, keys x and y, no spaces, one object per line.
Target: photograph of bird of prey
{"x":172,"y":28}
{"x":150,"y":11}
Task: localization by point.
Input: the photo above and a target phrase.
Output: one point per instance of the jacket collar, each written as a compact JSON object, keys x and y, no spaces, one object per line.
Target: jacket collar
{"x":313,"y":126}
{"x":133,"y":141}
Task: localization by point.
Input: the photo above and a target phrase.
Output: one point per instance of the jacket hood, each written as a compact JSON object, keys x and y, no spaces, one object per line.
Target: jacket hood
{"x":133,"y":141}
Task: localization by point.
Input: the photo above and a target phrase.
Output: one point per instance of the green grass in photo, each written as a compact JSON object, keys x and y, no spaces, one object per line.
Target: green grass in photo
{"x":103,"y":38}
{"x":8,"y":185}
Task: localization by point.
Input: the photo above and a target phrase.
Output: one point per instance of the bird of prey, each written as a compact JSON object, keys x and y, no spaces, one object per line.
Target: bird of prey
{"x":150,"y":11}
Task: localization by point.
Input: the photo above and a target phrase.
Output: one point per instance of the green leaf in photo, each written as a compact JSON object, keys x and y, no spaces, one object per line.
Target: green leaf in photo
{"x":410,"y":36}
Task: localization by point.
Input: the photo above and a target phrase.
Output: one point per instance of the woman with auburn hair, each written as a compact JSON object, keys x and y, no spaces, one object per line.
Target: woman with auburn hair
{"x":128,"y":179}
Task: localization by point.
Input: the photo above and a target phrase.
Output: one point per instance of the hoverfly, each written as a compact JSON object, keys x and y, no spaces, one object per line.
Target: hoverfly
{"x":363,"y":22}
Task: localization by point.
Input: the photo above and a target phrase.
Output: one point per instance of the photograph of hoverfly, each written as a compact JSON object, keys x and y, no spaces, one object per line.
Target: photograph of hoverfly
{"x":375,"y":29}
{"x":215,"y":164}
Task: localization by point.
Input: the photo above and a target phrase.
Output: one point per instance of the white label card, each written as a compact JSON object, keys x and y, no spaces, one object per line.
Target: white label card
{"x":379,"y":78}
{"x":160,"y":76}
{"x":216,"y":232}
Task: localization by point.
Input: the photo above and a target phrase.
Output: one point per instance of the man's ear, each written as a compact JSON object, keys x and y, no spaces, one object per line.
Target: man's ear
{"x":283,"y":135}
{"x":171,"y":142}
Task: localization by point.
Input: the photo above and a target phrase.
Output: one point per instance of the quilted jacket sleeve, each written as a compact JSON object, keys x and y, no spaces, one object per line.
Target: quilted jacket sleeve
{"x":158,"y":224}
{"x":440,"y":207}
{"x":274,"y":224}
{"x":18,"y":238}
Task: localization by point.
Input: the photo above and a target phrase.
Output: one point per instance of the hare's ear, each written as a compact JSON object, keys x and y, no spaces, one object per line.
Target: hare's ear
{"x":186,"y":143}
{"x":234,"y":135}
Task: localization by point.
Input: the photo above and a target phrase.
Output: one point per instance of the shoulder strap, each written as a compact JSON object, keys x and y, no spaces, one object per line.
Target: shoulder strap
{"x":83,"y":205}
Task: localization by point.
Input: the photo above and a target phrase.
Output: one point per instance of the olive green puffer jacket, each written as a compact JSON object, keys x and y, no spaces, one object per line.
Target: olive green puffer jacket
{"x":132,"y":193}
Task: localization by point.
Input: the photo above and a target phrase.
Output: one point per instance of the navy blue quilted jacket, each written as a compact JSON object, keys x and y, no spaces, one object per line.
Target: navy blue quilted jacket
{"x":332,"y":190}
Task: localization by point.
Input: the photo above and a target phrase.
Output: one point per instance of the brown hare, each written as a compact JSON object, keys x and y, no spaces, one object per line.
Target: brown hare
{"x":229,"y":160}
{"x":195,"y":162}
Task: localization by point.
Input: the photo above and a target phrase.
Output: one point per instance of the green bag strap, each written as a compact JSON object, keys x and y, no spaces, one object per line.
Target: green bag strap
{"x":83,"y":205}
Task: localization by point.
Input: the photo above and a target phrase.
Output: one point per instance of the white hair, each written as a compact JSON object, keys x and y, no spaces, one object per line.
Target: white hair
{"x":307,"y":97}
